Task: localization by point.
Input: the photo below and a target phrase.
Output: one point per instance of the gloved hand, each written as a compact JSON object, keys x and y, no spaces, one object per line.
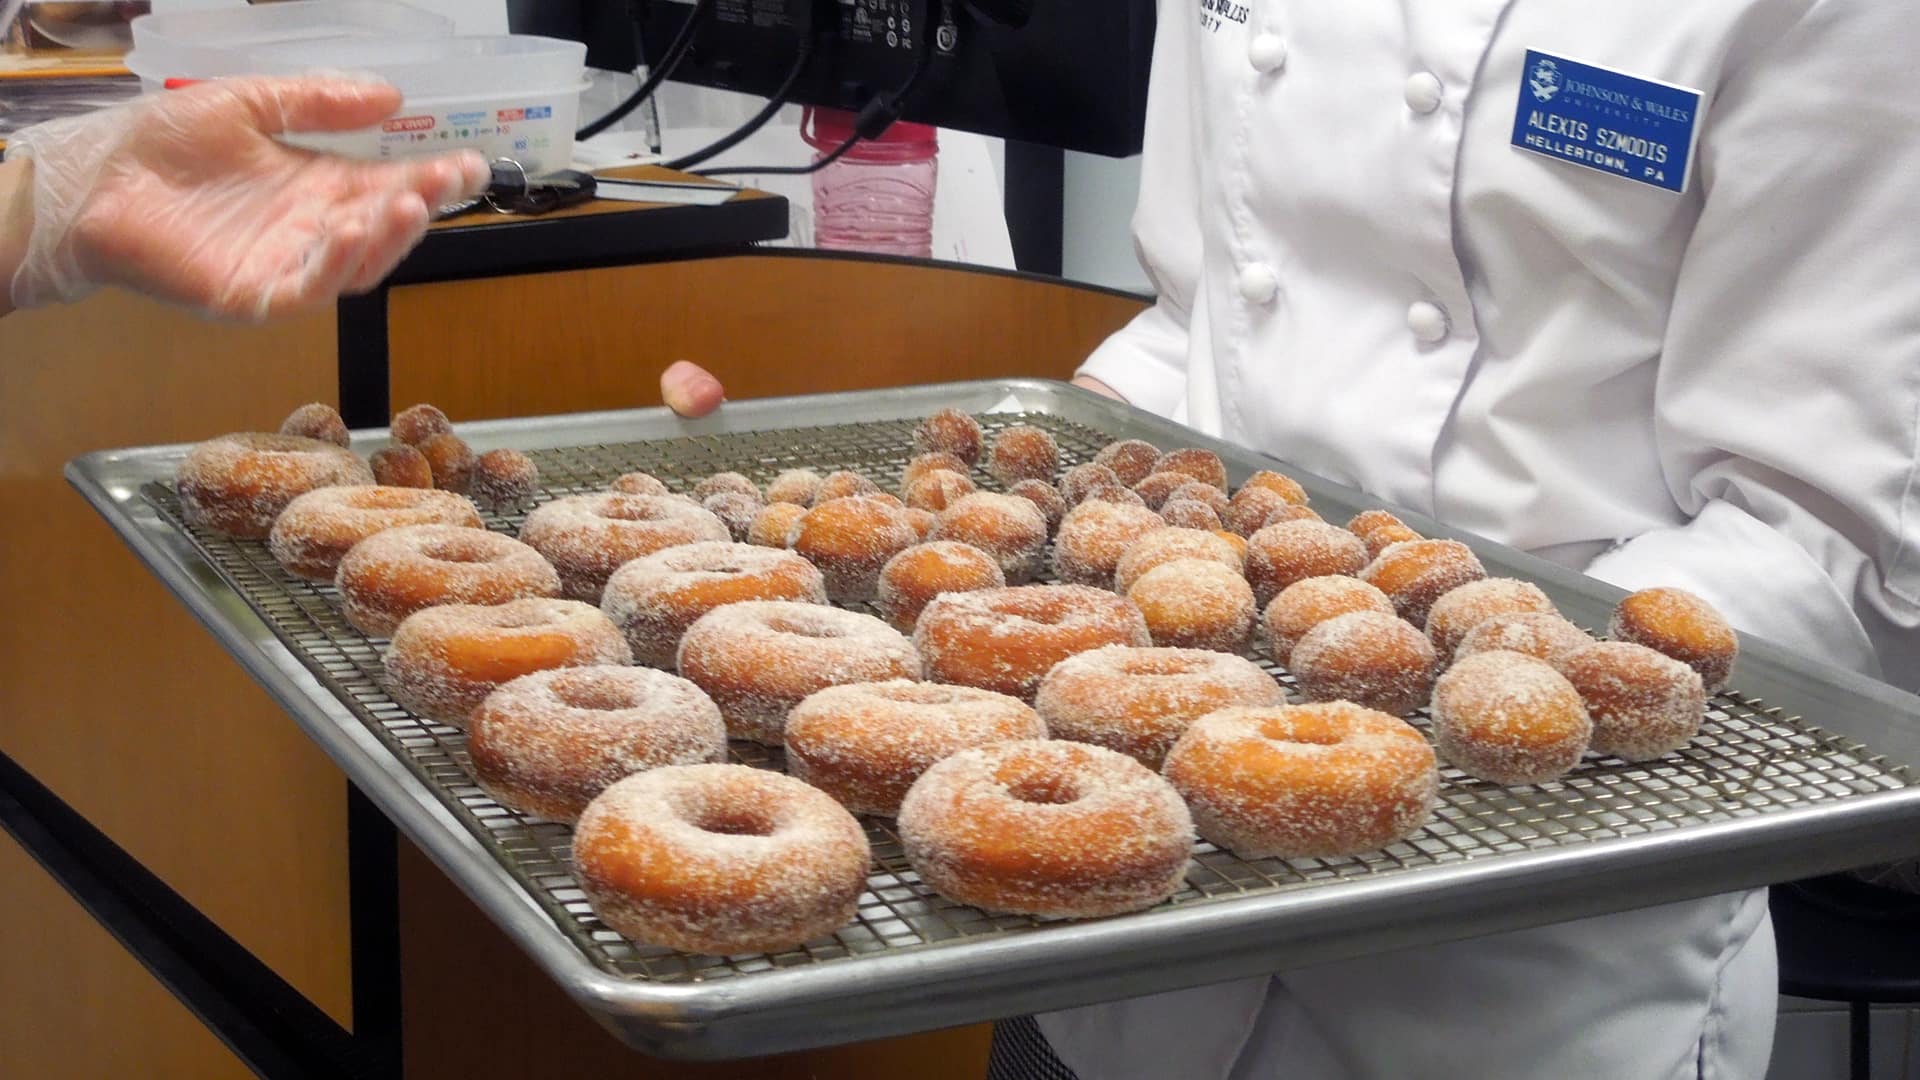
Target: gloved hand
{"x":187,"y":196}
{"x":690,"y":389}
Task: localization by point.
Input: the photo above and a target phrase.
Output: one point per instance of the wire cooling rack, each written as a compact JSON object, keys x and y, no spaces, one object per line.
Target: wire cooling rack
{"x":1749,"y":759}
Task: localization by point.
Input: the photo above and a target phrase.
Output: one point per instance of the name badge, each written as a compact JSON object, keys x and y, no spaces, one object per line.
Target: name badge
{"x":1639,"y":129}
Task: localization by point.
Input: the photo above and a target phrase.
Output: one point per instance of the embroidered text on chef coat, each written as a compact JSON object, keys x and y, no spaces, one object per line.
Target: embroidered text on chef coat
{"x":1638,"y":129}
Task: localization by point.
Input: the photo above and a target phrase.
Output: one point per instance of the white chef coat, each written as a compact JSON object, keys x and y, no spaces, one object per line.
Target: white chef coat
{"x":1718,"y":390}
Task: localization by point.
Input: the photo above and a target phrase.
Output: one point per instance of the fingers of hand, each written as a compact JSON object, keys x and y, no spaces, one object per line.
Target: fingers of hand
{"x":690,"y":389}
{"x":307,"y":103}
{"x":396,"y":225}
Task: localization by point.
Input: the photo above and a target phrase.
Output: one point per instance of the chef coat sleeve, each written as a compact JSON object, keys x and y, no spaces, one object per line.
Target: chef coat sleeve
{"x":1146,"y":360}
{"x":1788,"y":396}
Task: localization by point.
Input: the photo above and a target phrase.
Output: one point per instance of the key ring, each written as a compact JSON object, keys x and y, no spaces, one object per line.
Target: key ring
{"x":511,"y":186}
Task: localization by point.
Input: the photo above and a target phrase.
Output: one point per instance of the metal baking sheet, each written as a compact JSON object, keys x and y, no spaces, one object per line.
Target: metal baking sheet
{"x":1802,"y":769}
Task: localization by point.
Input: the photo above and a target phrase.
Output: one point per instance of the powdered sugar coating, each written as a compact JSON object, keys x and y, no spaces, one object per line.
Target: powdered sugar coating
{"x":772,"y":524}
{"x":911,"y":579}
{"x":1189,"y":514}
{"x":238,"y":484}
{"x":1112,"y":493}
{"x":1139,"y":701}
{"x":721,"y":859}
{"x":1022,"y":452}
{"x":1202,"y":465}
{"x":1309,"y":781}
{"x":400,"y":466}
{"x":1461,"y":609}
{"x":1291,"y":512}
{"x":1005,"y":640}
{"x":1214,"y":498}
{"x":936,"y":489}
{"x":1094,"y":535}
{"x":737,"y":483}
{"x":1046,"y":828}
{"x":1077,"y":481}
{"x":396,"y":572}
{"x":1644,"y":704}
{"x":1196,"y":604}
{"x":1166,"y":545}
{"x":922,"y":521}
{"x":317,"y":420}
{"x":1309,"y":602}
{"x":1045,"y":497}
{"x":451,"y":460}
{"x":1130,"y":459}
{"x":1279,"y":555}
{"x":1158,"y":487}
{"x":588,"y":537}
{"x":1681,"y":625}
{"x":638,"y":483}
{"x":445,"y":660}
{"x":1373,"y":659}
{"x":655,"y":598}
{"x":850,"y":539}
{"x":1251,"y":508}
{"x":1419,"y":572}
{"x":865,"y":744}
{"x":1509,"y":718}
{"x":316,"y":530}
{"x":735,"y":510}
{"x":1542,"y":635}
{"x":1007,"y":527}
{"x":950,"y":431}
{"x":795,"y":486}
{"x":759,"y":658}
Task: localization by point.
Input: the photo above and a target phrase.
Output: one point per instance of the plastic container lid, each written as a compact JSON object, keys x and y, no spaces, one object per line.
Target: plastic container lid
{"x":427,"y":68}
{"x":825,"y":129}
{"x":216,"y":42}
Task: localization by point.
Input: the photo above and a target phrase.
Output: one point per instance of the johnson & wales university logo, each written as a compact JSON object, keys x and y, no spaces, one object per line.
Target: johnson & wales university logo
{"x":1545,"y":80}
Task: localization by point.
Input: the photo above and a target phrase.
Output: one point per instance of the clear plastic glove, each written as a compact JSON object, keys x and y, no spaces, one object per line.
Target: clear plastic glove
{"x":186,"y":196}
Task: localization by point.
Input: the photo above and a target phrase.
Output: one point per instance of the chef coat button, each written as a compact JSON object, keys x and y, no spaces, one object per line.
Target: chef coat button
{"x":1422,"y":92}
{"x":1427,"y":321}
{"x":1267,"y":53}
{"x":1258,"y":283}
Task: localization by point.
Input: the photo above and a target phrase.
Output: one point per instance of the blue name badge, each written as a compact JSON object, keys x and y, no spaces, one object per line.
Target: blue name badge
{"x":1638,"y":129}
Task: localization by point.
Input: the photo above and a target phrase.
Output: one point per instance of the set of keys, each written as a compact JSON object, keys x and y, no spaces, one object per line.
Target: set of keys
{"x":511,"y":191}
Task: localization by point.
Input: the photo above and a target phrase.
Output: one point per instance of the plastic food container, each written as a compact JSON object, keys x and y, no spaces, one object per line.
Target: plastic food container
{"x":512,"y":96}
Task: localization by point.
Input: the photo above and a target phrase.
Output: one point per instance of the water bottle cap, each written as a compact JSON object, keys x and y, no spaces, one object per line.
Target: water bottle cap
{"x":825,"y":129}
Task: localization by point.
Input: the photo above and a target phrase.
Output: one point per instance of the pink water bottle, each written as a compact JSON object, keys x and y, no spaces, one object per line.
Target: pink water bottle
{"x":879,"y":196}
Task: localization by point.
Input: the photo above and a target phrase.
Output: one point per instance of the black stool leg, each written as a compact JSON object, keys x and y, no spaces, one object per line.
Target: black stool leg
{"x":1860,"y":1048}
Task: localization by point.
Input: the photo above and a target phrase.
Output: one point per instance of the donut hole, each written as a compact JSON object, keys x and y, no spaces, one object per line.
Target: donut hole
{"x":387,"y":499}
{"x":1046,"y":789}
{"x":1307,"y":730}
{"x":598,"y":695}
{"x":1160,"y":665}
{"x":630,"y":511}
{"x":1045,"y":616}
{"x":802,"y":629}
{"x":456,"y":552}
{"x":524,"y":619}
{"x":922,"y":694}
{"x":734,"y":820}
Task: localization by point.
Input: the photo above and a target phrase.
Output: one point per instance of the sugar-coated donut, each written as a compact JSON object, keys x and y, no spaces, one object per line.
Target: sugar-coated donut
{"x":1644,"y":703}
{"x":936,"y":489}
{"x":504,"y":477}
{"x":759,"y":658}
{"x":1370,"y":658}
{"x":1279,"y":483}
{"x":1419,"y":572}
{"x":1112,"y":493}
{"x":911,"y":579}
{"x":1047,"y":498}
{"x":1167,"y":545}
{"x":1214,"y":498}
{"x":1130,"y":459}
{"x":547,"y":742}
{"x":1681,"y":625}
{"x":1309,"y":602}
{"x":866,"y":743}
{"x":773,"y":523}
{"x":654,"y":598}
{"x":638,"y":483}
{"x":735,"y":510}
{"x":1006,"y":640}
{"x":842,"y":484}
{"x":400,"y":465}
{"x":1461,"y":609}
{"x":950,"y":431}
{"x":1022,"y":452}
{"x":1279,"y":555}
{"x":1251,"y":508}
{"x":720,"y":859}
{"x":1203,"y":465}
{"x":1094,"y":535}
{"x":850,"y":539}
{"x":315,"y":531}
{"x":922,"y":464}
{"x":1077,"y":481}
{"x":1307,"y":781}
{"x":1007,"y":527}
{"x":445,"y":660}
{"x":1139,"y":701}
{"x":734,"y":482}
{"x":1046,"y":828}
{"x":795,"y":486}
{"x":237,"y":484}
{"x":1366,"y":521}
{"x":922,"y":521}
{"x":451,"y":460}
{"x":396,"y":572}
{"x":1189,"y":514}
{"x":416,"y":424}
{"x":317,"y":420}
{"x":1543,"y":635}
{"x":1509,"y":718}
{"x":1196,"y":604}
{"x":1158,"y":487}
{"x":1386,"y":536}
{"x":1293,"y":512}
{"x":588,"y":537}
